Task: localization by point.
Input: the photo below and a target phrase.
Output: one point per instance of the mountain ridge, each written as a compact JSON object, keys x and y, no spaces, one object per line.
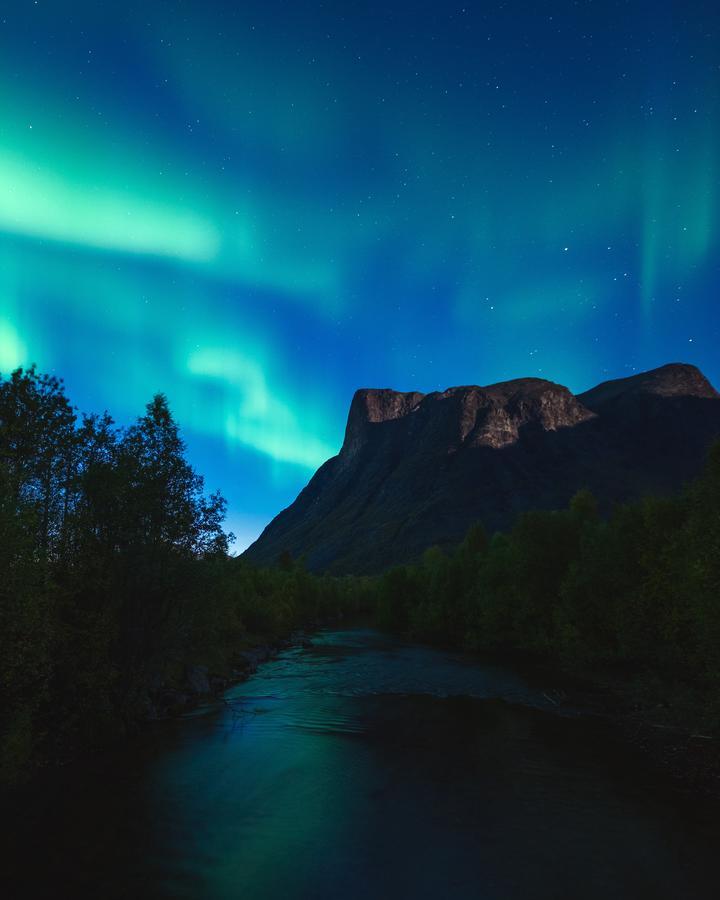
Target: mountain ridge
{"x":418,"y":469}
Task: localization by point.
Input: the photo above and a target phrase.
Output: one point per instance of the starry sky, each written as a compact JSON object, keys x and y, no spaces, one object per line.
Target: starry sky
{"x":256,"y":207}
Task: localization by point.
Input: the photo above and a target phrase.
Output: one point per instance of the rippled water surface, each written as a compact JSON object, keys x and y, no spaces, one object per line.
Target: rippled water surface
{"x":360,"y":768}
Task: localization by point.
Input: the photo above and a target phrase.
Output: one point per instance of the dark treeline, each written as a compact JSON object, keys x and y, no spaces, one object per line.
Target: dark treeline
{"x":116,"y":574}
{"x":635,"y":598}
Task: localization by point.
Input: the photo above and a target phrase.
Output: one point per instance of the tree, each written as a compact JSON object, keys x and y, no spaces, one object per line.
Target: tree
{"x":38,"y":449}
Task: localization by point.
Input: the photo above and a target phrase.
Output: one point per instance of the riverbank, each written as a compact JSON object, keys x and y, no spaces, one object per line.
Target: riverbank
{"x":689,"y":755}
{"x":200,"y":683}
{"x":643,"y":719}
{"x":666,"y":731}
{"x":166,"y":699}
{"x":664,"y":723}
{"x":368,"y":767}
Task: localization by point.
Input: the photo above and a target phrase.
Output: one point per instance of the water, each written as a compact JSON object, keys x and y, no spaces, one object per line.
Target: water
{"x":360,"y":768}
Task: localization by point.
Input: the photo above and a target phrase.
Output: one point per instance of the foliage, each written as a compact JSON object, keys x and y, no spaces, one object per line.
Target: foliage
{"x":638,"y":593}
{"x":116,"y":574}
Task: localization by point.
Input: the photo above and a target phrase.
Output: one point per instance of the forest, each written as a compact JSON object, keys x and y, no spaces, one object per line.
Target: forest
{"x":117,"y":576}
{"x":632,"y":600}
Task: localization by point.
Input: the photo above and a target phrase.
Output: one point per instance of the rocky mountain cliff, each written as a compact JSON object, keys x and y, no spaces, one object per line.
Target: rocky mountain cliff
{"x":419,"y":469}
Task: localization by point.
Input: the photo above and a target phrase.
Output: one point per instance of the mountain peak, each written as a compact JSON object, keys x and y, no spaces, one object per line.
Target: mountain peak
{"x":371,"y":406}
{"x":671,"y":380}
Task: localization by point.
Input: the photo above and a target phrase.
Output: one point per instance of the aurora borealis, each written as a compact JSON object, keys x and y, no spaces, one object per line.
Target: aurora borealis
{"x":258,"y":207}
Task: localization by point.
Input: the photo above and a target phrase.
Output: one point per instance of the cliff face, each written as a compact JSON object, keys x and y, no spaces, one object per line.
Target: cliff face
{"x":419,"y":469}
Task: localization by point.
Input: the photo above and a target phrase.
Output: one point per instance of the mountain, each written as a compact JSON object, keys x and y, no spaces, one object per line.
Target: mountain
{"x":418,"y":469}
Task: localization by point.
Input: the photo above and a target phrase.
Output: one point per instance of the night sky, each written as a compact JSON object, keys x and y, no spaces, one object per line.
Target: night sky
{"x":257,"y":207}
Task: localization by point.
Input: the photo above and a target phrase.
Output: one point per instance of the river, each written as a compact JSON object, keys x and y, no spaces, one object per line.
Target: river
{"x":365,"y":768}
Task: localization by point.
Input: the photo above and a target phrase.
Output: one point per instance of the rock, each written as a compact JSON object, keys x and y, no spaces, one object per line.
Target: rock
{"x":418,"y":469}
{"x":197,"y":680}
{"x":249,"y":660}
{"x":149,"y":708}
{"x":172,"y":702}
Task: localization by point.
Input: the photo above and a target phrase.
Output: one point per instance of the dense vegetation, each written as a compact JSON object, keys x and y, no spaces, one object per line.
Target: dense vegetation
{"x":635,"y":597}
{"x":116,"y":574}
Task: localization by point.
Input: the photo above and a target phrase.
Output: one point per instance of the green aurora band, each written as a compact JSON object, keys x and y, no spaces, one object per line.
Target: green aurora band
{"x":258,"y":210}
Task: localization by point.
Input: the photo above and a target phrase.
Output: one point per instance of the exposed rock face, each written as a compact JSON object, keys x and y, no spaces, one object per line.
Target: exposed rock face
{"x":417,"y":470}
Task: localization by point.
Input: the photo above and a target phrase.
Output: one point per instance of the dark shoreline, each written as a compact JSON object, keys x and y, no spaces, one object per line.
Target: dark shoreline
{"x":690,"y":758}
{"x":674,"y":746}
{"x":169,"y":701}
{"x":688,"y":755}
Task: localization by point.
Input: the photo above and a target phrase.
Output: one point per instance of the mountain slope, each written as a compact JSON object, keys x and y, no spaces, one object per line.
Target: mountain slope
{"x":416,"y":470}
